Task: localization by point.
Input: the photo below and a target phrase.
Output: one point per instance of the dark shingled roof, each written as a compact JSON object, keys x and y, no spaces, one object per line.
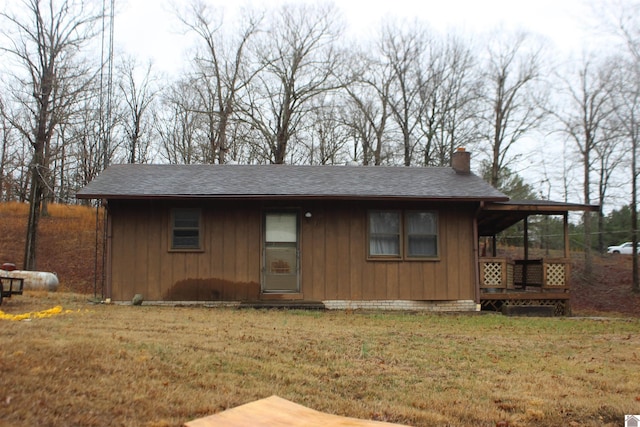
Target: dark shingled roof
{"x":286,"y":181}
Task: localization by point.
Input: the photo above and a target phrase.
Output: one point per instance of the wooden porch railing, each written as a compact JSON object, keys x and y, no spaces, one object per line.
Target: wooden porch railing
{"x":496,"y":274}
{"x":503,"y":275}
{"x":556,"y":273}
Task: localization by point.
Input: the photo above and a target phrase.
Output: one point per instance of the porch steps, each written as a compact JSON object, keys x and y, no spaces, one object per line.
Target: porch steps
{"x":288,"y":305}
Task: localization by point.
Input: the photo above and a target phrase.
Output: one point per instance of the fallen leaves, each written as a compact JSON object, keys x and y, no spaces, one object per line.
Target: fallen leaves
{"x":34,"y":314}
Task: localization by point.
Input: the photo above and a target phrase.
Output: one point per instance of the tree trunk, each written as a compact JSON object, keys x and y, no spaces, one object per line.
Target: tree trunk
{"x":601,"y":194}
{"x":635,"y":283}
{"x":35,"y":201}
{"x":44,"y":206}
{"x":600,"y":230}
{"x":3,"y":155}
{"x":494,"y":179}
{"x":587,"y":219}
{"x":222,"y":130}
{"x":280,"y":147}
{"x":407,"y":146}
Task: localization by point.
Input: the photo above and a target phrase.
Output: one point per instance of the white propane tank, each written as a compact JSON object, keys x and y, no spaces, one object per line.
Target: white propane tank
{"x":34,"y":280}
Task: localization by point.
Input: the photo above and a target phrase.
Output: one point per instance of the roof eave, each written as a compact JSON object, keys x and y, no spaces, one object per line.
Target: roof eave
{"x":549,"y":208}
{"x":286,"y":197}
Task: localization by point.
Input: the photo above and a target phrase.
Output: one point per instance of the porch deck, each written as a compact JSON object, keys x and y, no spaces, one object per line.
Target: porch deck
{"x":532,"y":282}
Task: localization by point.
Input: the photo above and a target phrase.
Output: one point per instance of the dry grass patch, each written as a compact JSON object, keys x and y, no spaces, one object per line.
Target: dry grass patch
{"x":66,"y":242}
{"x":162,"y":366}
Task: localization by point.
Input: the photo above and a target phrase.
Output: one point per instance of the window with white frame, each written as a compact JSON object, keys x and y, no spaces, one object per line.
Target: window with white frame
{"x":408,"y":234}
{"x":186,"y":229}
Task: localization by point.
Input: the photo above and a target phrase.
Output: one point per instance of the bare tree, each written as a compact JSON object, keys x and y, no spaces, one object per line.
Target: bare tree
{"x":45,"y":38}
{"x":222,"y":64}
{"x":511,"y":98}
{"x":609,"y":157}
{"x":411,"y":86}
{"x":367,"y":83}
{"x":624,"y":23}
{"x":297,"y":61}
{"x":403,"y":48}
{"x":627,"y":113}
{"x":7,"y":142}
{"x":82,"y":140}
{"x":138,"y":94}
{"x":325,"y":139}
{"x":85,"y":142}
{"x":584,"y":122}
{"x":448,"y":96}
{"x":178,"y":125}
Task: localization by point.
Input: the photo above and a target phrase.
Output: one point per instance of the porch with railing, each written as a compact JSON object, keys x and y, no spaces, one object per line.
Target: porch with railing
{"x":533,"y":275}
{"x":542,"y":282}
{"x":533,"y":282}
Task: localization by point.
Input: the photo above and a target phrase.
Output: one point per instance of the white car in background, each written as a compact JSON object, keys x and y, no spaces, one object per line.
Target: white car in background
{"x":625,"y":249}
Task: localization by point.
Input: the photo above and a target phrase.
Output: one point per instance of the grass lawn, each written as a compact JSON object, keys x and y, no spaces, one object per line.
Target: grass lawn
{"x":98,"y":365}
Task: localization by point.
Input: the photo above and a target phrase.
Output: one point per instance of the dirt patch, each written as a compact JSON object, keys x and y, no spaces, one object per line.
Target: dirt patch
{"x":608,"y":290}
{"x":66,"y":243}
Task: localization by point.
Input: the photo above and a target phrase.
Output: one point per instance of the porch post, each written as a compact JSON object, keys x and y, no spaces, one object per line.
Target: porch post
{"x":526,"y":252}
{"x":526,"y":238}
{"x":494,"y":249}
{"x":567,"y":252}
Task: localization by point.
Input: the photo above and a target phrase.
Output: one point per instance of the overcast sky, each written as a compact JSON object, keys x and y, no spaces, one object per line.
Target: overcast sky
{"x":148,"y":28}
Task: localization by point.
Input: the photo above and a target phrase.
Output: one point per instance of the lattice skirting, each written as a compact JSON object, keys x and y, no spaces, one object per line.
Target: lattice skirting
{"x":562,"y":307}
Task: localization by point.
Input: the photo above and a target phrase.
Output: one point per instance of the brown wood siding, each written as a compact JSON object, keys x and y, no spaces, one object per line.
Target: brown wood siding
{"x":356,"y":276}
{"x":228,"y":267}
{"x":331,"y":271}
{"x":313,"y":241}
{"x":333,"y":253}
{"x":342,"y":259}
{"x":154,"y":267}
{"x":343,"y":223}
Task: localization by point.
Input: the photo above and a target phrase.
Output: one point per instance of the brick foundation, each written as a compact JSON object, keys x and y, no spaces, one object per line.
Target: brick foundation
{"x":403,"y":305}
{"x":388,"y":305}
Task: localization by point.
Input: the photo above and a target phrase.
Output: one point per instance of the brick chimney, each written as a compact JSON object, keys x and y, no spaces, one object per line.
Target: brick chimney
{"x":461,"y":161}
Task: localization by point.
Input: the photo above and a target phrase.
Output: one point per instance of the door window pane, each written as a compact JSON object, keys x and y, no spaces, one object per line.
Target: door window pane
{"x":281,"y":227}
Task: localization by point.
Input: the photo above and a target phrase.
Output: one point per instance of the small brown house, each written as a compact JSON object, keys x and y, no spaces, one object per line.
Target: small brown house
{"x":343,"y":236}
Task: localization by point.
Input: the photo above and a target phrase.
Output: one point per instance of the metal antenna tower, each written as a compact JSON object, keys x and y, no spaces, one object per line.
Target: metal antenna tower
{"x":106,"y":61}
{"x":106,"y":88}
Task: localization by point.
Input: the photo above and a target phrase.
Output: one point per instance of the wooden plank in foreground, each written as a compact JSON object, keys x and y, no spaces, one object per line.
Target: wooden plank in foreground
{"x":276,"y":411}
